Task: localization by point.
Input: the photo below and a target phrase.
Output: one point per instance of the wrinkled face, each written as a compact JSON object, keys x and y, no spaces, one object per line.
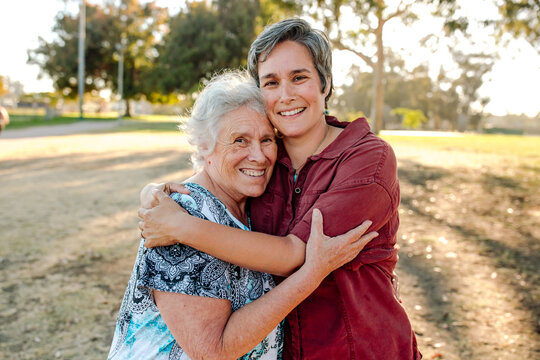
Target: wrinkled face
{"x":242,"y":161}
{"x":292,"y":89}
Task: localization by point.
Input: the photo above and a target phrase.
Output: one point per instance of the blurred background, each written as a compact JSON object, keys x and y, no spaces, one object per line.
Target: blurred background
{"x":94,"y":90}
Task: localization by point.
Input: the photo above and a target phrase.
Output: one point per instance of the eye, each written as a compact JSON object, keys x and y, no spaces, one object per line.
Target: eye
{"x":268,"y":140}
{"x":270,"y":83}
{"x":299,"y":77}
{"x":240,"y":141}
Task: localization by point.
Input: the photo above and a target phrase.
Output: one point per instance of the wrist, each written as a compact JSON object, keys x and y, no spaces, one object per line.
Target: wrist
{"x":180,"y":228}
{"x":310,"y":277}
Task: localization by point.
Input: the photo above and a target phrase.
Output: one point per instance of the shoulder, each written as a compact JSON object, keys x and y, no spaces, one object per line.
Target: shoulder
{"x":369,"y":156}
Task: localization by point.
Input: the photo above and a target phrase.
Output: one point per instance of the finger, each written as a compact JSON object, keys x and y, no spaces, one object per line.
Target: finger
{"x":177,"y":187}
{"x":360,"y":229}
{"x":142,"y":212}
{"x":317,"y":223}
{"x":365,"y":239}
{"x":159,"y":195}
{"x":141,"y":225}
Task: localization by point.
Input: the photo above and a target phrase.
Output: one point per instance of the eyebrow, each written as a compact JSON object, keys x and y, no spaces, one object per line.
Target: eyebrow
{"x":235,"y":134}
{"x":293,"y":72}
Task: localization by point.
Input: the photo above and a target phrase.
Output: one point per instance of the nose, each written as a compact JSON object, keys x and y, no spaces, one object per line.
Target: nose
{"x":286,"y":93}
{"x":256,"y":153}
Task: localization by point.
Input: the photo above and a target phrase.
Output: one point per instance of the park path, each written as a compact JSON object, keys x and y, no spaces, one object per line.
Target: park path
{"x":58,"y":130}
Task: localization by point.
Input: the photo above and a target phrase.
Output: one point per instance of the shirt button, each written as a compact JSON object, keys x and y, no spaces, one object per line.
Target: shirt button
{"x":298,"y":190}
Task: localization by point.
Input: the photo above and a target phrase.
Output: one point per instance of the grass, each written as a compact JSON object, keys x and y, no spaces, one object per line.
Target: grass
{"x":516,"y":145}
{"x":20,"y":119}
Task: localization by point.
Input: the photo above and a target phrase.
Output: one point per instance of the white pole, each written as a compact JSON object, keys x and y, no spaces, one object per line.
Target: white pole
{"x":120,"y":80}
{"x":82,"y":36}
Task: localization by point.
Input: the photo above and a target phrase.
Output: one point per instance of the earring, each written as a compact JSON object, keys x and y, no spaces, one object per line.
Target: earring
{"x":278,"y":134}
{"x":326,"y":112}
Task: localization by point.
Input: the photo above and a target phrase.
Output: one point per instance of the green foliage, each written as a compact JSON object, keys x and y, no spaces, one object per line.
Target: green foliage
{"x":204,"y":39}
{"x":106,"y":26}
{"x":412,"y":118}
{"x":521,"y":18}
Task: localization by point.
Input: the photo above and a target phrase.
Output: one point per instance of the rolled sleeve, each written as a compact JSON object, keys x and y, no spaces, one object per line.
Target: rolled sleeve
{"x":356,"y":195}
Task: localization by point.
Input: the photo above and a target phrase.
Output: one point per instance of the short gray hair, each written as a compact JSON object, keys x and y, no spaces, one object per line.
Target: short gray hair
{"x":224,"y":93}
{"x":300,"y":31}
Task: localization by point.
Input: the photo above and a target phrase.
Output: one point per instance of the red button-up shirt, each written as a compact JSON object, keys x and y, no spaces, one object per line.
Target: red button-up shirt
{"x":354,"y":313}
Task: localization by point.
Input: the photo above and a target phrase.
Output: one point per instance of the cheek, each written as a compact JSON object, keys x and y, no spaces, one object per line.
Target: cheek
{"x":271,"y":153}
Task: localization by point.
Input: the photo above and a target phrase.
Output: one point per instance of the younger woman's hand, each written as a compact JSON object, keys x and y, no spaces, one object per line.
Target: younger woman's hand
{"x":325,"y":254}
{"x":162,"y":224}
{"x":148,"y":200}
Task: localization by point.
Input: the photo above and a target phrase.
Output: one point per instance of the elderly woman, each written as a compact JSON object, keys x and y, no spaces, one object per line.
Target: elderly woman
{"x":341,"y":168}
{"x":182,"y":303}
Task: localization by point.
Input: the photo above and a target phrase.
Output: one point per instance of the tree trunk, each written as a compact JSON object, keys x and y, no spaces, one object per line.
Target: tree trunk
{"x":378,"y":96}
{"x":128,"y":109}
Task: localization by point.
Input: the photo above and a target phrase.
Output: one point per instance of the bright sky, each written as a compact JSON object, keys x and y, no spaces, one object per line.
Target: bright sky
{"x":513,"y":85}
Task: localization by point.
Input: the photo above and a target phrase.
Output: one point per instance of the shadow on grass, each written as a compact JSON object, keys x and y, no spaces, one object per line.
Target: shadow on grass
{"x":522,"y":260}
{"x":435,"y":286}
{"x":418,"y":174}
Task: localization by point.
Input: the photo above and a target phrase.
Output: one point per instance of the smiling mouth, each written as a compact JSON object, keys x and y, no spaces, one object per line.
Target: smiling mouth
{"x":291,"y":112}
{"x":253,"y":173}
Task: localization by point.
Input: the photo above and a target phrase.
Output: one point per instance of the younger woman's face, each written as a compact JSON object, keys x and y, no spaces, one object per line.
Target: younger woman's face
{"x":292,"y":89}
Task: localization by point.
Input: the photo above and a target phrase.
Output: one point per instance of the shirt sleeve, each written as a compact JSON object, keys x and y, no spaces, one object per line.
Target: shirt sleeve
{"x":183,"y":269}
{"x":363,"y":189}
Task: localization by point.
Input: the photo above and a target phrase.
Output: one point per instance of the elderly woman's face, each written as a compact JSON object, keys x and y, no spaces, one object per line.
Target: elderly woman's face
{"x":245,"y":153}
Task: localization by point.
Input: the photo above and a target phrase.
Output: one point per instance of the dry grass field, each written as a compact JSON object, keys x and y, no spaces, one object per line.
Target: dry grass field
{"x":469,"y":238}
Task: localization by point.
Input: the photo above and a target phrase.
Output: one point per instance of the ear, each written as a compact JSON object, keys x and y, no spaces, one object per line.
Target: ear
{"x":326,"y":90}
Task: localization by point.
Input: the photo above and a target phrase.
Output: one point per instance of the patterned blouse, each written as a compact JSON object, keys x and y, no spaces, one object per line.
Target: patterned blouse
{"x":140,"y":330}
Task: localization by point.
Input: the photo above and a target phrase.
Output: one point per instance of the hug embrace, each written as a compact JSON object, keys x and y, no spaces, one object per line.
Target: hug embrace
{"x":283,"y":243}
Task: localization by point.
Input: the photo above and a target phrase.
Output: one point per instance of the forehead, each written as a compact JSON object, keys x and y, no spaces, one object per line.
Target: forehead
{"x":284,"y":57}
{"x":245,"y":121}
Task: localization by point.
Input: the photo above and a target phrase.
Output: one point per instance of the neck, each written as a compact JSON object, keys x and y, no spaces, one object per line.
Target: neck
{"x":235,"y":204}
{"x":301,"y":148}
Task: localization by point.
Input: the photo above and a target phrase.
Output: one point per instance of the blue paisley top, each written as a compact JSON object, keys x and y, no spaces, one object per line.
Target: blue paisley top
{"x":140,"y":330}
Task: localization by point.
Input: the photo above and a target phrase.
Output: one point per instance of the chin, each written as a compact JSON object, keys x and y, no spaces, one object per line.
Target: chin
{"x":255,"y":191}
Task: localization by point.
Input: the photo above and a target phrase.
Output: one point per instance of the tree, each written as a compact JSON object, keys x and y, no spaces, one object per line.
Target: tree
{"x":521,"y":18}
{"x":473,"y":68}
{"x":132,"y":24}
{"x":208,"y":37}
{"x":372,"y":16}
{"x":140,"y":27}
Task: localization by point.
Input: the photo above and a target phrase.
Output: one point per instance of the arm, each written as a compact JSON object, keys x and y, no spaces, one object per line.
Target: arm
{"x":363,"y":187}
{"x":206,"y":328}
{"x":166,"y":224}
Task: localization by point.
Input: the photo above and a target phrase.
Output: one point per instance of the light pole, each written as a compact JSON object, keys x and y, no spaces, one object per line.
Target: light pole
{"x":82,"y":36}
{"x":121,"y":49}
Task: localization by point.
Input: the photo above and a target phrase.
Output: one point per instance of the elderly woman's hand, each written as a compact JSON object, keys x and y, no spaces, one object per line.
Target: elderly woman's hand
{"x":325,"y":254}
{"x":160,"y":224}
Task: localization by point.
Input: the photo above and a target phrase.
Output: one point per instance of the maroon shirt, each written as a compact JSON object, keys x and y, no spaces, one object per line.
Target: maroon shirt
{"x":354,"y":313}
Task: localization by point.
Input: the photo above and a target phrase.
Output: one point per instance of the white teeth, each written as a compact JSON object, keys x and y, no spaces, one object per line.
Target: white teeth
{"x":253,"y":172}
{"x":291,"y":112}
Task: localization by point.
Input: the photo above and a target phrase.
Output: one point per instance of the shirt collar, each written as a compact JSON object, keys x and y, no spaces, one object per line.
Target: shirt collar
{"x":353,"y":133}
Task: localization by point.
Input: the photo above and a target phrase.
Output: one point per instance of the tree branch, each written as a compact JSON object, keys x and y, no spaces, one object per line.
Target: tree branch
{"x":340,"y":46}
{"x":398,"y":12}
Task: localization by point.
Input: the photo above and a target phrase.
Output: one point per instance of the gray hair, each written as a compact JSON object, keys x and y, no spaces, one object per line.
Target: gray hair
{"x":224,"y":93}
{"x":300,"y":31}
